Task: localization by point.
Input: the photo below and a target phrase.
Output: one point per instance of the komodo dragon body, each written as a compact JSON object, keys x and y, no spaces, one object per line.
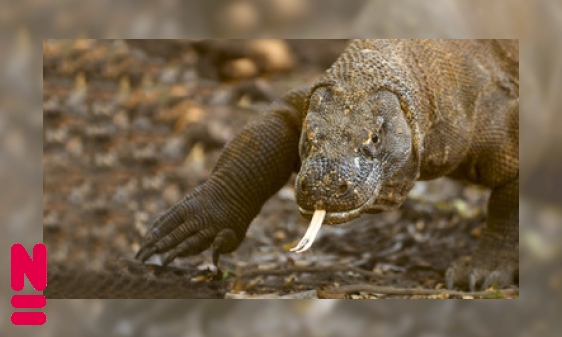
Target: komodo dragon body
{"x":387,"y":113}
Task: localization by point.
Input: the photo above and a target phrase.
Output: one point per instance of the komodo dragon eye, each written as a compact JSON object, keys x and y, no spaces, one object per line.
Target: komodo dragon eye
{"x":375,"y":136}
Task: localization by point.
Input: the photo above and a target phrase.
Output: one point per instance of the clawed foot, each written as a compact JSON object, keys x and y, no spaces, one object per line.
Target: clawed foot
{"x":484,"y":270}
{"x":192,"y":226}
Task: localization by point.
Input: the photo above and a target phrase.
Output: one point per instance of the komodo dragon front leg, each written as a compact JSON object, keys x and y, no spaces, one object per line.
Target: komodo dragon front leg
{"x":253,"y":166}
{"x":496,"y":260}
{"x":493,"y":161}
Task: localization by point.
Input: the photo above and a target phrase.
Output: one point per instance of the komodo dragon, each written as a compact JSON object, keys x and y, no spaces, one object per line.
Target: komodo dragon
{"x":385,"y":114}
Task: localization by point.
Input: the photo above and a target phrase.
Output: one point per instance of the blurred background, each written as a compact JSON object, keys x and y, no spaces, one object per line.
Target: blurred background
{"x":24,"y":25}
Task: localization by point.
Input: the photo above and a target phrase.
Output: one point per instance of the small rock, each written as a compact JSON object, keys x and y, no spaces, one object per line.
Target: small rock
{"x":121,"y":120}
{"x":272,"y":55}
{"x":107,"y":160}
{"x":302,"y":263}
{"x":309,"y":294}
{"x":57,"y":136}
{"x":240,"y":68}
{"x":169,"y":75}
{"x":286,"y":193}
{"x":174,"y":147}
{"x":280,"y":236}
{"x":171,"y":194}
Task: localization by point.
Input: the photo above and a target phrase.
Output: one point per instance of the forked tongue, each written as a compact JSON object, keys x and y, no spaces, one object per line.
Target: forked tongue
{"x":311,"y":232}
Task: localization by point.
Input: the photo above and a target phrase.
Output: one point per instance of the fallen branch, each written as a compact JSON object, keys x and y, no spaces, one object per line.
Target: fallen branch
{"x":350,"y":289}
{"x":303,"y":295}
{"x":313,"y":269}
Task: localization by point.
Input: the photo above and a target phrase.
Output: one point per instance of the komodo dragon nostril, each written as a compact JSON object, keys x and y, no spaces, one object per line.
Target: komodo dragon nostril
{"x":303,"y":184}
{"x":344,"y":187}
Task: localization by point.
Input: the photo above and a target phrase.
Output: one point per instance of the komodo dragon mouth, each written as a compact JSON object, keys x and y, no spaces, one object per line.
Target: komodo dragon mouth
{"x":336,"y":218}
{"x":339,"y":217}
{"x":332,"y":218}
{"x":320,"y":216}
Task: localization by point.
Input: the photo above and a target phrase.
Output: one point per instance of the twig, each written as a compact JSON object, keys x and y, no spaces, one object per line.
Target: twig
{"x":355,"y":288}
{"x":303,"y":295}
{"x":312,"y":269}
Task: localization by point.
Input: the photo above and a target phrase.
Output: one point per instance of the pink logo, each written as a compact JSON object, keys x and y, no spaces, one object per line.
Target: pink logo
{"x":36,"y":271}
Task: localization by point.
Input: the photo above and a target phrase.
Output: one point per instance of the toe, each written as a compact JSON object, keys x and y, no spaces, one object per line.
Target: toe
{"x":225,"y":242}
{"x":164,"y":224}
{"x":193,"y":245}
{"x":458,"y":273}
{"x":145,"y":253}
{"x":471,"y":274}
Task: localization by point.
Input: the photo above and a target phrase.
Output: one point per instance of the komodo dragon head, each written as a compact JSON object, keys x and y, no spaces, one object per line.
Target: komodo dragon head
{"x":356,"y":153}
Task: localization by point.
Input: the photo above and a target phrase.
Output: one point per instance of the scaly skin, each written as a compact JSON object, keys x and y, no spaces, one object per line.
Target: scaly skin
{"x":387,"y":113}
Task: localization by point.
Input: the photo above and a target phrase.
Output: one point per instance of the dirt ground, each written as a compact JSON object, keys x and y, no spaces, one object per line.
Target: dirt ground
{"x":131,"y":126}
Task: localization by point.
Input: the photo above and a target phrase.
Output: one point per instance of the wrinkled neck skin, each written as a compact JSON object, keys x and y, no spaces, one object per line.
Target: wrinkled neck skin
{"x":357,"y":152}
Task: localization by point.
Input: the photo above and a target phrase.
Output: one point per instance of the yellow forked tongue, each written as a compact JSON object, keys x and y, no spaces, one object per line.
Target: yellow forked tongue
{"x":311,"y":232}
